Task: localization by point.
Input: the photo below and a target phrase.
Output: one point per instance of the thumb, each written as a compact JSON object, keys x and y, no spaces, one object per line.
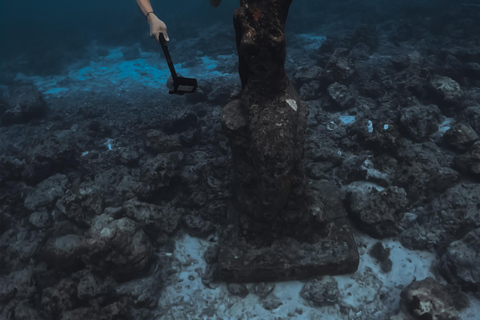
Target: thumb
{"x":165,"y":34}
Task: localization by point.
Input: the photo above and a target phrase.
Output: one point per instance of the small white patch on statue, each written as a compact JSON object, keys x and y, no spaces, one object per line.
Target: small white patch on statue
{"x":292,"y":103}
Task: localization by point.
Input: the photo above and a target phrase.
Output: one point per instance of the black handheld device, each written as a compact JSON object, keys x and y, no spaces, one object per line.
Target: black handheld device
{"x":180,"y":85}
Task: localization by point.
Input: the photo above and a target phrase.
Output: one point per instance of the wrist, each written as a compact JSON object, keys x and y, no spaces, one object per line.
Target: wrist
{"x":149,"y":16}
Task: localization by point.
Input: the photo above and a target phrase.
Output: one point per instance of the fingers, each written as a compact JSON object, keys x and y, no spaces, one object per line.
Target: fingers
{"x":165,"y":34}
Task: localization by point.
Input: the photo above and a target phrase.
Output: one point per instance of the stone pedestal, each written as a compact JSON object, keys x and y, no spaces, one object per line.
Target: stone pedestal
{"x":276,"y":231}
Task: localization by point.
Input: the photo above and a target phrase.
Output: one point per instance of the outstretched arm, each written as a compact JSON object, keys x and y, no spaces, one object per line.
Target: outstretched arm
{"x":157,"y":26}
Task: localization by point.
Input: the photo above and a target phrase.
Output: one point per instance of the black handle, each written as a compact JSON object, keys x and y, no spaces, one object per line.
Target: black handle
{"x":163,"y":43}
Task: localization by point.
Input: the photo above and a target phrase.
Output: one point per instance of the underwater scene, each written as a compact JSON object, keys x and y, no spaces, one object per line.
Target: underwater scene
{"x":237,"y":160}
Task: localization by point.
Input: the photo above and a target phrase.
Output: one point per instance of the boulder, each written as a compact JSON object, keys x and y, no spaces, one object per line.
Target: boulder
{"x":119,"y":248}
{"x":24,"y":103}
{"x":460,"y":137}
{"x":378,"y":212}
{"x":420,"y":122}
{"x":461,"y":263}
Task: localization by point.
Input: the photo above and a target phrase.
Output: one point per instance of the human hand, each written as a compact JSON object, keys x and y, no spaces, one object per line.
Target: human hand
{"x":215,"y":3}
{"x":157,"y":26}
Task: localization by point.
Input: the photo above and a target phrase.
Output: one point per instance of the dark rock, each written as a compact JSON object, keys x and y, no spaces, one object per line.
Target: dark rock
{"x":237,"y":289}
{"x":119,"y":248}
{"x":448,"y":218}
{"x":471,"y":116}
{"x":460,"y":137}
{"x":321,"y":293}
{"x":379,"y":213}
{"x":427,"y":299}
{"x":46,"y":193}
{"x":7,"y":289}
{"x":339,"y":68}
{"x":382,"y":255}
{"x":25,"y":311}
{"x":271,"y":302}
{"x":360,"y":52}
{"x":91,"y":287}
{"x":62,"y":253}
{"x":24,"y":103}
{"x":61,"y":297}
{"x":469,"y":163}
{"x":380,"y":137}
{"x":141,"y":293}
{"x":461,"y":262}
{"x":40,"y":220}
{"x":131,"y":53}
{"x":197,"y":226}
{"x":81,"y":204}
{"x":46,"y":157}
{"x":472,"y":69}
{"x":400,"y":62}
{"x":341,"y":96}
{"x":153,"y":218}
{"x":263,"y":289}
{"x":129,"y":157}
{"x":181,"y":124}
{"x":310,"y":91}
{"x":448,"y":93}
{"x":211,"y":254}
{"x":306,"y":74}
{"x":159,"y":171}
{"x":420,"y":122}
{"x":158,"y":142}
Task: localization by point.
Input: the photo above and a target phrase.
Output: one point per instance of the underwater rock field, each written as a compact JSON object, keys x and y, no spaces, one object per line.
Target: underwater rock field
{"x":113,"y":192}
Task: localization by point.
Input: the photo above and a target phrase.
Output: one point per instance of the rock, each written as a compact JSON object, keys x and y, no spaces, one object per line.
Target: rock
{"x":341,"y":96}
{"x":129,"y":157}
{"x":448,"y":93}
{"x":159,"y":171}
{"x":46,"y":193}
{"x":25,"y":311}
{"x":60,"y":297}
{"x":339,"y":68}
{"x":48,"y":156}
{"x":81,"y":204}
{"x":378,"y":137}
{"x":197,"y":226}
{"x":237,"y":289}
{"x":460,"y":137}
{"x":62,"y":253}
{"x":141,"y":293}
{"x":7,"y":289}
{"x":271,"y":302}
{"x":320,"y":293}
{"x":310,"y":91}
{"x":153,"y":218}
{"x":181,"y":124}
{"x":461,"y":262}
{"x":420,"y":122}
{"x":306,"y":74}
{"x":472,"y":69}
{"x":40,"y":220}
{"x":119,"y":248}
{"x":131,"y":53}
{"x":91,"y":287}
{"x":263,"y":289}
{"x":382,"y":255}
{"x":469,"y":163}
{"x":158,"y":142}
{"x":427,"y":299}
{"x":471,"y":116}
{"x":24,"y":104}
{"x":379,"y":213}
{"x":447,"y":218}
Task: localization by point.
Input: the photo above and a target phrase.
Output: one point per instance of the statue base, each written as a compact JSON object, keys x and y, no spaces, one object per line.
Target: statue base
{"x":332,"y":251}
